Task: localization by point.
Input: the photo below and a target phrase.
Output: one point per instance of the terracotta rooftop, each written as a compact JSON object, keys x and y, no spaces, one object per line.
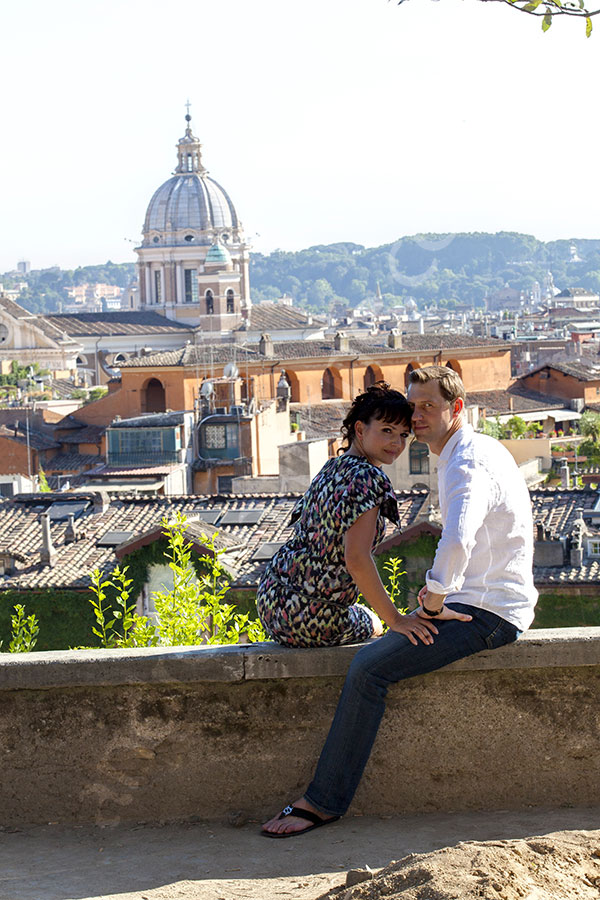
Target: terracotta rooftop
{"x":112,"y":323}
{"x":516,"y":399}
{"x":72,"y":462}
{"x":583,"y":371}
{"x":20,"y":530}
{"x":320,"y":420}
{"x":88,"y":434}
{"x":278,"y":317}
{"x":219,"y":353}
{"x":37,"y":440}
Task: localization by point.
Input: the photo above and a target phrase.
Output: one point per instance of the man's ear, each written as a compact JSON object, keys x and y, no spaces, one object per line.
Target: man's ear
{"x":459,"y":405}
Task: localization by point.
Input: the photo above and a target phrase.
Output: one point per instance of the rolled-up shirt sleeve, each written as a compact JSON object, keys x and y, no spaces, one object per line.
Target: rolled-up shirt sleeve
{"x":469,"y":495}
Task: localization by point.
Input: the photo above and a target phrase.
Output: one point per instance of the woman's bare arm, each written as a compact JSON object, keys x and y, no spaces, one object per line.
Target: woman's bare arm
{"x":361,"y":567}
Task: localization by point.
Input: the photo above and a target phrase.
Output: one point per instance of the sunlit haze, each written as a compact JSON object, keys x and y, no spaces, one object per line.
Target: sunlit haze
{"x":344,"y":120}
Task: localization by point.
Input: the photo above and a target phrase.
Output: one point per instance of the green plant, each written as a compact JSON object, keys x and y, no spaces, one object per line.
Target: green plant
{"x":392,"y":568}
{"x":25,"y":630}
{"x":133,"y":630}
{"x":43,"y":481}
{"x":192,"y":612}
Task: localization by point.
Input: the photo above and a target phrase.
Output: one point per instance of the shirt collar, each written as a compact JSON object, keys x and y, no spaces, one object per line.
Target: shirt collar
{"x":463,"y":435}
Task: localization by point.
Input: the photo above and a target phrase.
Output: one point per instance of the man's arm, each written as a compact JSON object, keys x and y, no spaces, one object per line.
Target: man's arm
{"x":469,"y":493}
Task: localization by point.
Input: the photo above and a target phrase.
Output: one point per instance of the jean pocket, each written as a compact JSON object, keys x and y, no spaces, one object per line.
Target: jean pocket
{"x":504,"y":633}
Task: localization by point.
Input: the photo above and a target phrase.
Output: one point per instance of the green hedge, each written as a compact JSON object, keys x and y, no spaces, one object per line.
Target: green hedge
{"x":560,"y":611}
{"x":65,"y":618}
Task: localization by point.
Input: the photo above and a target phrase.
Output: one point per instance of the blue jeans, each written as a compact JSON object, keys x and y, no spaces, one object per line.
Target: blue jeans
{"x":361,"y":705}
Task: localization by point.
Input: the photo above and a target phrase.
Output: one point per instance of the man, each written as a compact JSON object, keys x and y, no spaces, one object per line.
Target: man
{"x":479,"y":593}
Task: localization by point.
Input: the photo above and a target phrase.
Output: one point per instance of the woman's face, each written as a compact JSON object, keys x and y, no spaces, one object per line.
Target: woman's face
{"x":382,"y":442}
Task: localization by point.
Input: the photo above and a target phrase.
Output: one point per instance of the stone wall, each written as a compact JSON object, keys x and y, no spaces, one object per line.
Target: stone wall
{"x":165,"y":734}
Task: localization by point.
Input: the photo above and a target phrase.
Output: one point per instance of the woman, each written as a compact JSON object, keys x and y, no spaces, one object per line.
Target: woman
{"x":307,"y":594}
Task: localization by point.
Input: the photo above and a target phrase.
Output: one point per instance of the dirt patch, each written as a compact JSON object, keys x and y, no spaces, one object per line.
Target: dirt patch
{"x":562,"y":866}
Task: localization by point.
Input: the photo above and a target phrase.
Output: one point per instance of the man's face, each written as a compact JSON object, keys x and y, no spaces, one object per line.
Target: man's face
{"x":434,"y":419}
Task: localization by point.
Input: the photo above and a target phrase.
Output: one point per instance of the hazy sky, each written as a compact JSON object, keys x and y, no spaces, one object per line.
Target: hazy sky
{"x":325,"y":120}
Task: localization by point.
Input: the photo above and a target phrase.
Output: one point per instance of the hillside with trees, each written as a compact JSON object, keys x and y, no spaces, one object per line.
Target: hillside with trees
{"x":435,"y":270}
{"x":48,"y":288}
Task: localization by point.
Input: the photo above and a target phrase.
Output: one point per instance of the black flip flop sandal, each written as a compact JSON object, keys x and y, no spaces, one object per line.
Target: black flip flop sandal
{"x":315,"y":820}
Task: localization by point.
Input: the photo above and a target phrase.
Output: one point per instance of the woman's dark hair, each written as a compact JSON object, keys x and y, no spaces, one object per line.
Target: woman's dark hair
{"x":379,"y":401}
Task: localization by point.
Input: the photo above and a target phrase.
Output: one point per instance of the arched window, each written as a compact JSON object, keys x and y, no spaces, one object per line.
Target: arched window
{"x":210,"y":303}
{"x":455,"y":366}
{"x":410,"y":368}
{"x":372,"y":374}
{"x":230,"y":303}
{"x":331,"y":385}
{"x":153,"y":397}
{"x":292,"y":380}
{"x":418,"y":456}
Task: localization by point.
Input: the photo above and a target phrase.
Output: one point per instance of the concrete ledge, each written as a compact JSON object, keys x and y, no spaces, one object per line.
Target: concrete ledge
{"x":166,"y":734}
{"x":542,"y":648}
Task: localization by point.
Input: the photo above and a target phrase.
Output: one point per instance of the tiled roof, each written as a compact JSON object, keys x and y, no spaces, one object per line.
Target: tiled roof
{"x":320,"y":420}
{"x":204,"y":354}
{"x":43,"y":323}
{"x":119,"y":471}
{"x":278,"y":317}
{"x":36,"y":439}
{"x":588,"y":573}
{"x":112,"y":323}
{"x":90,"y":434}
{"x":499,"y":402}
{"x":580,"y":370}
{"x":151,"y":420}
{"x":556,"y":508}
{"x":20,"y":529}
{"x":72,"y":462}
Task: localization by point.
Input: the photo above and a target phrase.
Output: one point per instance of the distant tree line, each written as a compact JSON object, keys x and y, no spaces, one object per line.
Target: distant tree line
{"x":48,"y":288}
{"x":435,"y":270}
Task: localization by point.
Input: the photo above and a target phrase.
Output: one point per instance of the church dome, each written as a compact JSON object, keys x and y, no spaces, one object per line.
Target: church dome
{"x":190,"y":207}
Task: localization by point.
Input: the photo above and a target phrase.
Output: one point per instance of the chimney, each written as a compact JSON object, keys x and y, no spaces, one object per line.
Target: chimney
{"x":48,"y":554}
{"x":341,"y":342}
{"x":265,"y":345}
{"x":70,"y":532}
{"x":565,"y":477}
{"x":395,"y":339}
{"x":101,"y":501}
{"x":511,"y":404}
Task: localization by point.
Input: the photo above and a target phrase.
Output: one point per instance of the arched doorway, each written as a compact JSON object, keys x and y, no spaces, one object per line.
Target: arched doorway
{"x":455,"y":366}
{"x":292,"y":380}
{"x":410,"y":368}
{"x":153,"y":397}
{"x":331,"y":384}
{"x":372,"y":375}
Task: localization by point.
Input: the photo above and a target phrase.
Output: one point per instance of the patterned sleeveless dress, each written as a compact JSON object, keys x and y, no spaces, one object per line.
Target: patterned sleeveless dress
{"x":306,"y":597}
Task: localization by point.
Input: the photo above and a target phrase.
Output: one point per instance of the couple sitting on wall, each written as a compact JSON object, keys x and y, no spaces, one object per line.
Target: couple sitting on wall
{"x":479,"y":593}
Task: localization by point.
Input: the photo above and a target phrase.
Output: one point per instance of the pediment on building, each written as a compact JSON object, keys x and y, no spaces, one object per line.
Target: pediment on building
{"x":21,"y":329}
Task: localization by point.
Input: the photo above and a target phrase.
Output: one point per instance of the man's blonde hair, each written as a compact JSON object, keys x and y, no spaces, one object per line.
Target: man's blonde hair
{"x":451,"y":386}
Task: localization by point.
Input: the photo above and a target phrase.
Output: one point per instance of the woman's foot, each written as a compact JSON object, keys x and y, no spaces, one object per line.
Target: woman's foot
{"x":289,"y":824}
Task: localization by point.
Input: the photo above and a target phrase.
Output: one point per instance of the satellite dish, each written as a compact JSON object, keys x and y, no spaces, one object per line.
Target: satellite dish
{"x":231,"y":371}
{"x":207,"y":388}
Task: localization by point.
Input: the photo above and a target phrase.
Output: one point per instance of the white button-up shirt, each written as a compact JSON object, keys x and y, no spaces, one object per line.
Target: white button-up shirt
{"x":485,"y":553}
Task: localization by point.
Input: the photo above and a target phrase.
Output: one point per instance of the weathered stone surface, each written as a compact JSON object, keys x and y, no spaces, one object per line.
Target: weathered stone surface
{"x":162,"y":735}
{"x":146,"y":665}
